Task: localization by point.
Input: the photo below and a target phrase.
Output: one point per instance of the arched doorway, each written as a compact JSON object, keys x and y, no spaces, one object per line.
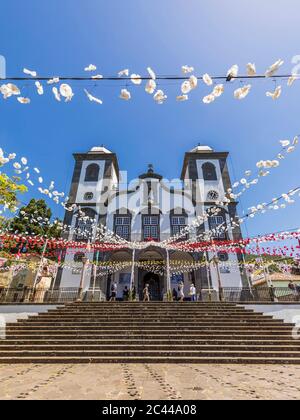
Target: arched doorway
{"x":154,"y":285}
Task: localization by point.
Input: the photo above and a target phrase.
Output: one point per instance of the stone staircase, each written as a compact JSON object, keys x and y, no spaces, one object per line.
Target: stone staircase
{"x":150,"y":332}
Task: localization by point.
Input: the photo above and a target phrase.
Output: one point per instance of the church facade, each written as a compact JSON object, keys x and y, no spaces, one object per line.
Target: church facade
{"x":151,"y":209}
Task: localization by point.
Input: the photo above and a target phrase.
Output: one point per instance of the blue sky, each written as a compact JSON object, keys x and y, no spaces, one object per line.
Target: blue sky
{"x":62,"y":37}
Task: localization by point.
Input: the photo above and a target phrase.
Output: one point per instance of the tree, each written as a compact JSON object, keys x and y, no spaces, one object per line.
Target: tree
{"x":9,"y":189}
{"x":35,"y":219}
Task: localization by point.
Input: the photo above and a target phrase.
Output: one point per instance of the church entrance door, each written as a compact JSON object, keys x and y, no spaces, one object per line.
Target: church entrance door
{"x":154,"y":285}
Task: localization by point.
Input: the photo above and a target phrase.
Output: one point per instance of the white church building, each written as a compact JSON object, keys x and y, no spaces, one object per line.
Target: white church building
{"x":150,"y":209}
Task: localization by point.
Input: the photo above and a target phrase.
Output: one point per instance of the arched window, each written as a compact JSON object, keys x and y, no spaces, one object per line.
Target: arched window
{"x":92,"y":173}
{"x":78,"y":257}
{"x":209,"y":172}
{"x":223,"y":256}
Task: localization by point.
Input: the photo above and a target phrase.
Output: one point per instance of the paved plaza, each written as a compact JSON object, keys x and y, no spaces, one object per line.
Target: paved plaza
{"x":148,"y":381}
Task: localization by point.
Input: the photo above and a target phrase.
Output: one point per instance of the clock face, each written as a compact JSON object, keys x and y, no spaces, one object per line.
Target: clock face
{"x":212,"y":195}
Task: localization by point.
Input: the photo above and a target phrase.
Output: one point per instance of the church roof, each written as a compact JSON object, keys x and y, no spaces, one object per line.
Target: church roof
{"x":99,"y":149}
{"x":201,"y":149}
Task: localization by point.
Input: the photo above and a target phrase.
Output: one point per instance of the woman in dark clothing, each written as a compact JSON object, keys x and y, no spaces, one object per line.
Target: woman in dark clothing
{"x":174,"y":294}
{"x":125,"y":293}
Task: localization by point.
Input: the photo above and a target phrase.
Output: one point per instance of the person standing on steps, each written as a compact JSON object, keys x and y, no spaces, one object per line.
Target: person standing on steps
{"x":114,"y":288}
{"x":193,"y":293}
{"x":125,"y":293}
{"x":180,"y":292}
{"x":174,"y":295}
{"x":133,"y":293}
{"x":146,"y":295}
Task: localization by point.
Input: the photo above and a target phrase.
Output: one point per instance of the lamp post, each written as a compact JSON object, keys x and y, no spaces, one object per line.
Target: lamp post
{"x":215,"y":260}
{"x":168,"y":276}
{"x":132,"y":275}
{"x":85,"y":262}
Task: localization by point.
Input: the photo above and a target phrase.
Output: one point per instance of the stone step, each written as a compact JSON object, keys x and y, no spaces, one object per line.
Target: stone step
{"x":151,"y":327}
{"x":142,"y":324}
{"x":141,"y":347}
{"x":157,"y":336}
{"x":146,"y":341}
{"x":152,"y":353}
{"x":149,"y":333}
{"x":254,"y":317}
{"x":156,"y":359}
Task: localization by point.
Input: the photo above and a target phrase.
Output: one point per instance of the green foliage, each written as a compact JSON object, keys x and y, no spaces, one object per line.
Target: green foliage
{"x":9,"y":189}
{"x":35,"y":219}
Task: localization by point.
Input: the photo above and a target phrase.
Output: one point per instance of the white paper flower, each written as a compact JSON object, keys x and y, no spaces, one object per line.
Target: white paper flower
{"x":12,"y":156}
{"x":151,"y":73}
{"x":274,"y":95}
{"x":56,"y":94}
{"x":187,"y":69}
{"x":295,"y":141}
{"x":242,"y":92}
{"x":66,"y":91}
{"x":23,"y":100}
{"x":124,"y":72}
{"x":39,"y":87}
{"x":251,"y":69}
{"x":285,"y":143}
{"x":125,"y":94}
{"x":290,"y":149}
{"x":232,"y":72}
{"x":218,"y":90}
{"x":90,"y":67}
{"x":52,"y":81}
{"x":93,"y":98}
{"x":186,"y":87}
{"x":159,"y":96}
{"x":209,"y":99}
{"x":260,"y":164}
{"x":31,"y":73}
{"x":150,"y":86}
{"x":207,"y":79}
{"x":14,"y":90}
{"x":273,"y":68}
{"x":40,"y":179}
{"x":193,"y":81}
{"x":136,"y":79}
{"x":36,"y":170}
{"x":24,"y":160}
{"x":182,"y":98}
{"x":292,"y":79}
{"x":16,"y":165}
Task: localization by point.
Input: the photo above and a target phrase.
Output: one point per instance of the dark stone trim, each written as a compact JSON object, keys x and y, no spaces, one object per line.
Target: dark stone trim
{"x":75,"y":181}
{"x":197,"y":156}
{"x":112,"y":157}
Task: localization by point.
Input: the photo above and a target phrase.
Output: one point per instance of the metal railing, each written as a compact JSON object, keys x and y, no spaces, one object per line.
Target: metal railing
{"x":260,"y":294}
{"x":71,"y":294}
{"x":61,"y":295}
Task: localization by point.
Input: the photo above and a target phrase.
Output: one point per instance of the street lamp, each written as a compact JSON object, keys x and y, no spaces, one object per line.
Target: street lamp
{"x":85,"y":262}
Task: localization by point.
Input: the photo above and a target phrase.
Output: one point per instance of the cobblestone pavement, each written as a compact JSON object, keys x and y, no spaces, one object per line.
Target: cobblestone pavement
{"x":149,"y":381}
